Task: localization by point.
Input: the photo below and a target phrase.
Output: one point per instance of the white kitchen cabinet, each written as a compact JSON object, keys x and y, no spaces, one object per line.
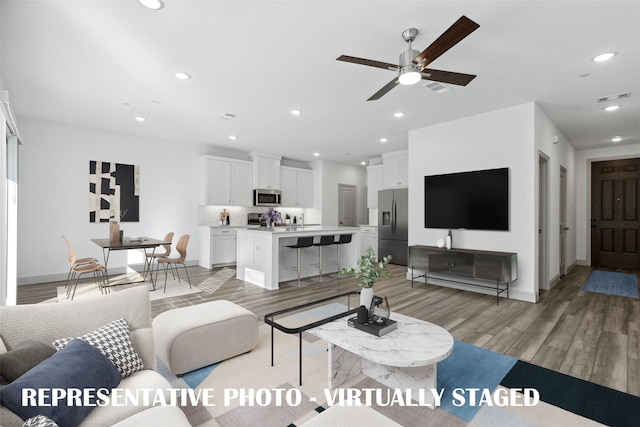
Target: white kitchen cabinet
{"x":266,"y":172}
{"x":297,"y":187}
{"x":217,"y":246}
{"x":223,"y":246}
{"x":374,"y":183}
{"x":368,"y":237}
{"x":226,"y":181}
{"x":395,"y":169}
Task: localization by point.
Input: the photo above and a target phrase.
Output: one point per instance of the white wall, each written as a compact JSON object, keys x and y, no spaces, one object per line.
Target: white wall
{"x":584,"y":158}
{"x":560,"y":154}
{"x":54,"y":194}
{"x":326,"y":177}
{"x":503,"y":138}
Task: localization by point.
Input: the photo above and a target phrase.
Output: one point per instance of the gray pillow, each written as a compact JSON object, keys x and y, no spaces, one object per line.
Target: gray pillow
{"x":26,"y":355}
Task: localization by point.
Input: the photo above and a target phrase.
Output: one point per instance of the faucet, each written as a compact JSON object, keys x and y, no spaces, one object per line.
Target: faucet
{"x":302,"y":220}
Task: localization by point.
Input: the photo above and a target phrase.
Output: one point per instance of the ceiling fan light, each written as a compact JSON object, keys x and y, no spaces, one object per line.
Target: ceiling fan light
{"x":409,"y":75}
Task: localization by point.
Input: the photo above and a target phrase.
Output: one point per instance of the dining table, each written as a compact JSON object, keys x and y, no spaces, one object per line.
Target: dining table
{"x":147,"y":244}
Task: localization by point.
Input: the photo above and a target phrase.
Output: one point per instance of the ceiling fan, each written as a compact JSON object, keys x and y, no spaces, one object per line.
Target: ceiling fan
{"x":412,"y":67}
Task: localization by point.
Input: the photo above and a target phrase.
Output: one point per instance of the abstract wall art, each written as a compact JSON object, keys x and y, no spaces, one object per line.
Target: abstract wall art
{"x":114,"y":192}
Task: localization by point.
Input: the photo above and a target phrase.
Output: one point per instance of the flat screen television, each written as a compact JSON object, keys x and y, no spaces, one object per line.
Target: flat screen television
{"x":476,"y":200}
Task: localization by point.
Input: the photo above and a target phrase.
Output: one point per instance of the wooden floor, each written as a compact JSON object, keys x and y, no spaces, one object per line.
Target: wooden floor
{"x":591,"y":336}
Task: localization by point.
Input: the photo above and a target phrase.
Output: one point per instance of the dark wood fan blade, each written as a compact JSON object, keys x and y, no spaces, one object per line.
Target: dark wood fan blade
{"x":458,"y":31}
{"x":369,"y":62}
{"x":382,"y":92}
{"x":459,"y":79}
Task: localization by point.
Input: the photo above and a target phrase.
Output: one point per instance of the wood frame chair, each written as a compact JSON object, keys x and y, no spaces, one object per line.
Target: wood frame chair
{"x":181,"y":247}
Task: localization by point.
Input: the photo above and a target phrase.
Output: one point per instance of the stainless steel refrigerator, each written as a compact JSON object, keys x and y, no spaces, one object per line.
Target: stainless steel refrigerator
{"x":393,"y":224}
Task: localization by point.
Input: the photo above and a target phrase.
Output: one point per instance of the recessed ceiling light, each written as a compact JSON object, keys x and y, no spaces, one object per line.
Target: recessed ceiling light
{"x":604,"y":57}
{"x":398,"y":114}
{"x":383,"y":140}
{"x":296,"y":112}
{"x":363,"y":163}
{"x":140,"y":119}
{"x":182,"y":76}
{"x":233,"y":137}
{"x":616,"y":139}
{"x":611,"y":108}
{"x":152,"y":4}
{"x":316,"y":154}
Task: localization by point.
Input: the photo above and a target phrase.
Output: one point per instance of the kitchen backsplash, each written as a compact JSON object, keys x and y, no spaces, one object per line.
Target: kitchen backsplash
{"x":210,"y":215}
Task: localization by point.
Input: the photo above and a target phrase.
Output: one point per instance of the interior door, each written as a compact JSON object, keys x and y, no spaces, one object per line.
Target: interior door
{"x":347,"y":205}
{"x":615,"y":214}
{"x":563,"y":221}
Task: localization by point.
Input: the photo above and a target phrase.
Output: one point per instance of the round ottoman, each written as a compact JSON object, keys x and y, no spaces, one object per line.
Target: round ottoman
{"x":192,"y":337}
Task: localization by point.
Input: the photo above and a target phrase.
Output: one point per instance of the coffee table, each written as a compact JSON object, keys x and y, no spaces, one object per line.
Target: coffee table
{"x":405,"y":358}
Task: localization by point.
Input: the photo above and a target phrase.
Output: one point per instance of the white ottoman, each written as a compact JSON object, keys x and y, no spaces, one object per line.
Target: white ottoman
{"x":192,"y":337}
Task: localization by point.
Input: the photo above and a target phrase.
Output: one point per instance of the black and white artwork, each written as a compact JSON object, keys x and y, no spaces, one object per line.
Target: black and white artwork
{"x":114,"y":192}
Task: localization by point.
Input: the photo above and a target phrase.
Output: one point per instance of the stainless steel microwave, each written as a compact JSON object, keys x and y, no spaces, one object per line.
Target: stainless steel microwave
{"x":264,"y":197}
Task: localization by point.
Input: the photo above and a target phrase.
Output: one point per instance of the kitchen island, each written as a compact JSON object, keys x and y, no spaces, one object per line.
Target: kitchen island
{"x":265,"y":260}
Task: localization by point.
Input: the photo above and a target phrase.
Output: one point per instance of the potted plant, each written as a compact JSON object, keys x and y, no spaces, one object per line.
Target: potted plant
{"x":287,"y":218}
{"x":368,"y":271}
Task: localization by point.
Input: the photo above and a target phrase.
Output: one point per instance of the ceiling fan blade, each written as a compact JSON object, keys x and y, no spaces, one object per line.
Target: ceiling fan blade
{"x":459,"y":79}
{"x":369,"y":62}
{"x":379,"y":94}
{"x":455,"y":33}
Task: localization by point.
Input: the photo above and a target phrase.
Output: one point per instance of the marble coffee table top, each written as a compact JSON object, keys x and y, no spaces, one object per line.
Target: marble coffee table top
{"x":414,"y":343}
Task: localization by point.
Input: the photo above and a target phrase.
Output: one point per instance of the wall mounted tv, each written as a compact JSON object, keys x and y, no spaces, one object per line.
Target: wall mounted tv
{"x":476,"y":200}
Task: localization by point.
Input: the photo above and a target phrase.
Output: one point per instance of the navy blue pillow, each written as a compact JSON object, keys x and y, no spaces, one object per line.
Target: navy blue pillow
{"x":79,"y":366}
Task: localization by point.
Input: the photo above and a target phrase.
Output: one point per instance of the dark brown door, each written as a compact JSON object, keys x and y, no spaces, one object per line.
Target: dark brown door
{"x":615,"y":214}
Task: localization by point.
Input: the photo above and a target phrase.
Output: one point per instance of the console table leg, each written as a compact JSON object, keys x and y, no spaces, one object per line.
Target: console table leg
{"x":271,"y":345}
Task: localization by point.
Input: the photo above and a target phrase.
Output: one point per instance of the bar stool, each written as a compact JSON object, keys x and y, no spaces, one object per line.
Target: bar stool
{"x":342,"y":240}
{"x":326,"y":240}
{"x":303,"y":242}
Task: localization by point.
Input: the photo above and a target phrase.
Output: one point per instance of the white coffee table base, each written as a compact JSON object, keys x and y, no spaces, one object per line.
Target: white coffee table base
{"x":344,"y":365}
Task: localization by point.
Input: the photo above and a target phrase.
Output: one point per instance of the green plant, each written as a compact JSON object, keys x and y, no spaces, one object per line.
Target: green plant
{"x":287,"y":216}
{"x":369,"y":269}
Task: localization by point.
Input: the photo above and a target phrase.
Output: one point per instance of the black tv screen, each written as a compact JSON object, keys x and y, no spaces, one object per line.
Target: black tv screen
{"x":477,"y":200}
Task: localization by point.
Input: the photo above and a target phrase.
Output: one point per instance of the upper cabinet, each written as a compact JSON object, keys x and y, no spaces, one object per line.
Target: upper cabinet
{"x":394,"y":169}
{"x":297,"y":187}
{"x":374,"y":183}
{"x":266,"y":172}
{"x":226,"y":181}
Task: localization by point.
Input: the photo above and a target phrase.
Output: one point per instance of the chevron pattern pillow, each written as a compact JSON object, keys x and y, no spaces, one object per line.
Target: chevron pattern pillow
{"x":113,"y":341}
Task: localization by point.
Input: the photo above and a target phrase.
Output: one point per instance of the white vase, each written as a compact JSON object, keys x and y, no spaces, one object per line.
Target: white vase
{"x":366,"y":297}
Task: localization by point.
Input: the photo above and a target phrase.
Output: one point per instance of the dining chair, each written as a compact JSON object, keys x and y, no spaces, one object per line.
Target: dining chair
{"x":153,"y":257}
{"x":74,"y":261}
{"x":181,"y":247}
{"x":99,"y":273}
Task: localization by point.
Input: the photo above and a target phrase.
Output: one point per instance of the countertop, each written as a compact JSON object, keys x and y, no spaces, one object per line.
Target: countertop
{"x":300,"y":228}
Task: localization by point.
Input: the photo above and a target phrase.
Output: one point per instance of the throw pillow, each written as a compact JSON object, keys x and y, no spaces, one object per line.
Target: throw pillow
{"x":78,"y":366}
{"x":114,"y":342}
{"x":40,"y":421}
{"x":25,"y":356}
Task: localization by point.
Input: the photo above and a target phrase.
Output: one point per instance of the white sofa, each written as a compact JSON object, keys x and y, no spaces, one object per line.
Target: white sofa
{"x":48,"y":322}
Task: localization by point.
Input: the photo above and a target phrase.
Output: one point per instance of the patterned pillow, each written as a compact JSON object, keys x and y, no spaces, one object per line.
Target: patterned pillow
{"x":39,"y":421}
{"x":113,"y":341}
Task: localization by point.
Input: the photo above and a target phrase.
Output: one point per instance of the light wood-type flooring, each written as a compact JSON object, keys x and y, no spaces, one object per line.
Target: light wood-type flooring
{"x":587,"y":335}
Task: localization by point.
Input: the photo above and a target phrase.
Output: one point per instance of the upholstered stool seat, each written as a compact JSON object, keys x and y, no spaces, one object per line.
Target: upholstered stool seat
{"x":196,"y":336}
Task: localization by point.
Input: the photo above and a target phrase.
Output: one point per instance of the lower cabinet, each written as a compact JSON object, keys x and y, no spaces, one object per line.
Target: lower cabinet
{"x":217,"y":246}
{"x":368,"y":237}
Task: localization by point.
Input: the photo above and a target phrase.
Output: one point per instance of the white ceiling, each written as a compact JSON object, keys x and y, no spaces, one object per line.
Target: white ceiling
{"x":79,"y":62}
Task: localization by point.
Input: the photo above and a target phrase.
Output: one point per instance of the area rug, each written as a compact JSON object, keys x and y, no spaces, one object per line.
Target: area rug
{"x":174,"y":289}
{"x":612,"y":283}
{"x":246,"y":390}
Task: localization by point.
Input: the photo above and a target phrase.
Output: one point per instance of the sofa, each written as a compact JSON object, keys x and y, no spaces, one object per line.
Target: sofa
{"x":48,"y":322}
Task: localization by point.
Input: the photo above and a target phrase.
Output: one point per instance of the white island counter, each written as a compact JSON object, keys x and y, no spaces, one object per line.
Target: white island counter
{"x":265,"y":260}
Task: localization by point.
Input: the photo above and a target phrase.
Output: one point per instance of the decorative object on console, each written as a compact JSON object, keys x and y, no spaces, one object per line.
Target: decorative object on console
{"x":449,"y":240}
{"x":368,"y":271}
{"x":114,"y":190}
{"x":440,"y":243}
{"x":271,"y":217}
